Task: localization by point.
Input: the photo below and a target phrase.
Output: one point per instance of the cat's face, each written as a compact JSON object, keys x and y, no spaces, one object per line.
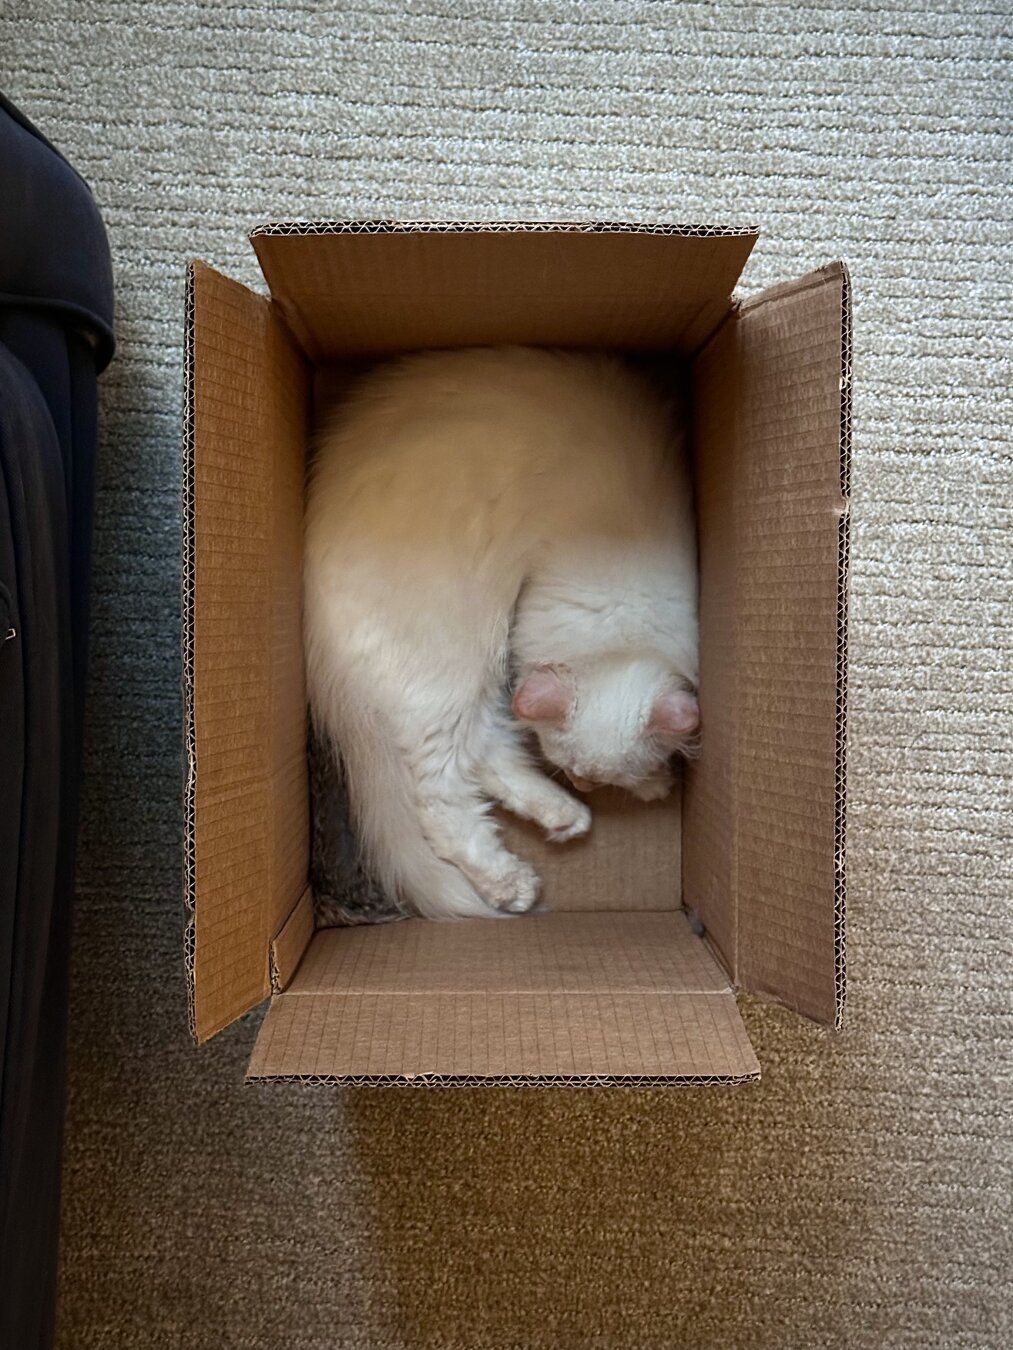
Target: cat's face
{"x":612,"y":721}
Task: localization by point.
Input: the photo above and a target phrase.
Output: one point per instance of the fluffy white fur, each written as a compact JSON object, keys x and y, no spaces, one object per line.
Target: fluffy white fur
{"x":481,"y":523}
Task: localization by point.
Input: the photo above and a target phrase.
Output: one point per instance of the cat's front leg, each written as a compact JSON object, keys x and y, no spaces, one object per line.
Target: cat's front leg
{"x":461,"y":833}
{"x":510,"y":779}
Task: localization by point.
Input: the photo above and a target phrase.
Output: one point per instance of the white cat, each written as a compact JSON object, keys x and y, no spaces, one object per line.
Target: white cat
{"x":482,"y":520}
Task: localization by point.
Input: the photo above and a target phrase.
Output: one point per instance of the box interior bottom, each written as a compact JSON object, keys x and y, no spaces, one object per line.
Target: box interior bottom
{"x":551,"y":997}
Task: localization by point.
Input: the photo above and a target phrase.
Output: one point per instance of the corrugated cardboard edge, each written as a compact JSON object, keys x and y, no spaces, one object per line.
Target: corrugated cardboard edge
{"x":309,"y":227}
{"x":819,"y":277}
{"x":288,"y":947}
{"x":843,"y":587}
{"x":187,"y":606}
{"x":475,"y":1081}
{"x":252,"y":900}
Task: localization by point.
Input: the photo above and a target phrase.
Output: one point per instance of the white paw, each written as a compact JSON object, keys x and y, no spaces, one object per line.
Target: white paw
{"x":568,"y":821}
{"x":513,"y":891}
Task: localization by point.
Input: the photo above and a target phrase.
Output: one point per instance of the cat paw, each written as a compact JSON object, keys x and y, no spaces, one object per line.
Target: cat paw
{"x":567,"y":822}
{"x":514,"y":891}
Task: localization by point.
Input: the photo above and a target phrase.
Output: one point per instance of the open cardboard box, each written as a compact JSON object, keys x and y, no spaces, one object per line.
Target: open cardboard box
{"x":663,"y":912}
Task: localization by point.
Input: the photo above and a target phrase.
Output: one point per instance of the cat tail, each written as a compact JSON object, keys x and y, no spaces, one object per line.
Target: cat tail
{"x":385,"y":815}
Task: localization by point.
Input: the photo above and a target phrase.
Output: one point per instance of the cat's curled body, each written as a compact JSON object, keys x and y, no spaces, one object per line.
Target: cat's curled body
{"x":485,"y":523}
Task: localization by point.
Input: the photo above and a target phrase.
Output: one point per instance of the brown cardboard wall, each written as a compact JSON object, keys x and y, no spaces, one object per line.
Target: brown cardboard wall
{"x":631,"y":860}
{"x":763,"y":802}
{"x":247,"y":836}
{"x":359,"y":290}
{"x":553,"y":996}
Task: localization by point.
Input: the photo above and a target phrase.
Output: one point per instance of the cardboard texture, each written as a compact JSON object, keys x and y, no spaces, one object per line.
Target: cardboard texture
{"x":369,"y":292}
{"x":762,"y":802}
{"x":247,"y":836}
{"x":563,"y":996}
{"x":589,"y":873}
{"x":614,"y":985}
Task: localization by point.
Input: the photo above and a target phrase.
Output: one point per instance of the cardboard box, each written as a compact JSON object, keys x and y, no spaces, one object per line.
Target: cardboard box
{"x":663,"y":913}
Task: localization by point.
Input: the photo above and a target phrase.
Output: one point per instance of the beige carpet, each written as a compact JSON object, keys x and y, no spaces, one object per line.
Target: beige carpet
{"x":860,"y":1197}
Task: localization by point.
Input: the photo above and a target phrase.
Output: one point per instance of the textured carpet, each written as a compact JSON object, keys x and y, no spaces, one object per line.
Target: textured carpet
{"x":859,"y":1197}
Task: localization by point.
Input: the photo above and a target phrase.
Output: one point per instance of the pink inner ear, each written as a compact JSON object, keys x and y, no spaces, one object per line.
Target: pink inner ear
{"x":676,"y":713}
{"x":543,"y":696}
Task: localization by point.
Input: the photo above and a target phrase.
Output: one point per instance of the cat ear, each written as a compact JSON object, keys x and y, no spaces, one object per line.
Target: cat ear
{"x":542,"y":696}
{"x":675,"y":714}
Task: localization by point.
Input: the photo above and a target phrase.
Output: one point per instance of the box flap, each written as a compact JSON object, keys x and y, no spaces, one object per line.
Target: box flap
{"x":575,"y":997}
{"x":246,"y":826}
{"x":377,"y":287}
{"x":764,"y":804}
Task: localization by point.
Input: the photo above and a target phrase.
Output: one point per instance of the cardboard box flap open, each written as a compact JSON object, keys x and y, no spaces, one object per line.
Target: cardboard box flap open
{"x":247,"y":405}
{"x":764,"y":806}
{"x":364,"y":289}
{"x":557,"y":997}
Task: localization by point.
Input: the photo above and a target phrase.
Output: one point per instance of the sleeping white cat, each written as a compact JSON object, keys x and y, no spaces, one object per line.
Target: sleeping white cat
{"x":499,"y":541}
